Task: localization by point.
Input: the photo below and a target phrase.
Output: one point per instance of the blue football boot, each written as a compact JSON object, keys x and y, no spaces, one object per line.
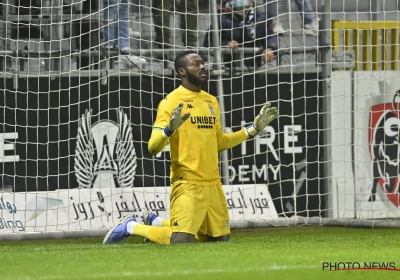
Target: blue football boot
{"x":119,"y":232}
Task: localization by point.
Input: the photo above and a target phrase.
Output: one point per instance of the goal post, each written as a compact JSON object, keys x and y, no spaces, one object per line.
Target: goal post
{"x":76,"y":116}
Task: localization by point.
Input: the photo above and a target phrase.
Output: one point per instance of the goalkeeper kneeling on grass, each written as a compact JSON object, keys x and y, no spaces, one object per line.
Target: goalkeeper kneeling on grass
{"x":189,"y":118}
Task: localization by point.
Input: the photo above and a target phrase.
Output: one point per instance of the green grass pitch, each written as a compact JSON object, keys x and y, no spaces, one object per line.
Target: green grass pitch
{"x":272,"y":253}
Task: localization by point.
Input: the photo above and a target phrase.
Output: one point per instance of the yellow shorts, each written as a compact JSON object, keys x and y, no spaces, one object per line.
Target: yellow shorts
{"x":199,"y":209}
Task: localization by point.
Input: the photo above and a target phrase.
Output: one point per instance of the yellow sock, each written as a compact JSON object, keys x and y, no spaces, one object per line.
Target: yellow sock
{"x":161,"y":235}
{"x":166,"y":223}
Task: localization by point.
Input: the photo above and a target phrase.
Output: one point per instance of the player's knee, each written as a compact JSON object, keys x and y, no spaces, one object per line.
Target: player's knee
{"x":223,"y":238}
{"x":201,"y":238}
{"x":182,"y":237}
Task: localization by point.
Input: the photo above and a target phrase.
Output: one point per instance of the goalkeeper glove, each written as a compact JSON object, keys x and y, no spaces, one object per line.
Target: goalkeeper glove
{"x":265,"y":116}
{"x":176,"y":121}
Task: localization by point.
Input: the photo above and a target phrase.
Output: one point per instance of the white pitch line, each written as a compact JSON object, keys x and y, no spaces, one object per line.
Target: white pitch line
{"x":170,"y":273}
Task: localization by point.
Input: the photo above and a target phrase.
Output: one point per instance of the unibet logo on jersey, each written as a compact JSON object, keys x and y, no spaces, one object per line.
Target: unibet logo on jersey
{"x":203,"y":122}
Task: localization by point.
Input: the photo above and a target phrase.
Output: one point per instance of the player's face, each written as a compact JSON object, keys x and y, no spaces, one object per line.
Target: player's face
{"x":195,"y":69}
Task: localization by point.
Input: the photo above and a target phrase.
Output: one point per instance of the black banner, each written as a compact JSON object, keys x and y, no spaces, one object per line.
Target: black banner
{"x":53,"y":124}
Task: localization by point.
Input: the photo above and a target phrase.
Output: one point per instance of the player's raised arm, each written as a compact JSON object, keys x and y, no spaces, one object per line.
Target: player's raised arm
{"x":159,"y":137}
{"x":266,"y":115}
{"x":229,"y":140}
{"x":176,"y":121}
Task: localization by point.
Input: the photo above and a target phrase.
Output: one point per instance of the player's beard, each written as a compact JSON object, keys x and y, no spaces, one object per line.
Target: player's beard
{"x":194,"y":80}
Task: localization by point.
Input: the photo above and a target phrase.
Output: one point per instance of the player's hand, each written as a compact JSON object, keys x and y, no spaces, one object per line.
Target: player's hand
{"x":266,"y":115}
{"x":176,"y":121}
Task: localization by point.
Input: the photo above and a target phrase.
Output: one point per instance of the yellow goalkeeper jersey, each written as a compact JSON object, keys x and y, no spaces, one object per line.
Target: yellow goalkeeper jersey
{"x":195,"y":145}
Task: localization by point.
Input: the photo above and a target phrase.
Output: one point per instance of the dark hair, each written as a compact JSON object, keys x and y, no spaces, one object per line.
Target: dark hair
{"x":180,"y":60}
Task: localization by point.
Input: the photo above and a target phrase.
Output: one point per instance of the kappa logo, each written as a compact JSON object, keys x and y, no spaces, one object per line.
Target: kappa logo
{"x":190,"y":106}
{"x":176,"y":224}
{"x":383,"y":136}
{"x":104,"y":155}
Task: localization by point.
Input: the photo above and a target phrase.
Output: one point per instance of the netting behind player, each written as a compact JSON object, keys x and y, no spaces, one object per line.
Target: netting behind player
{"x":82,"y":81}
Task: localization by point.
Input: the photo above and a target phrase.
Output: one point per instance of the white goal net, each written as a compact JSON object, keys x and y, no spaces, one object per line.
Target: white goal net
{"x":81,"y":82}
